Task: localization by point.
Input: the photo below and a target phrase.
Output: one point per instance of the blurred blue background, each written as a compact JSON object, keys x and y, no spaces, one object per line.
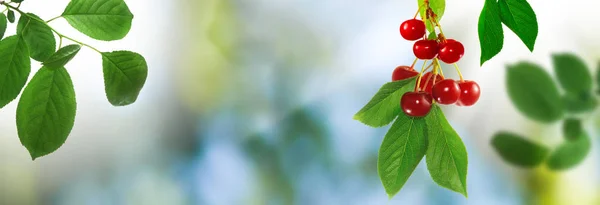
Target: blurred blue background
{"x":251,"y":102}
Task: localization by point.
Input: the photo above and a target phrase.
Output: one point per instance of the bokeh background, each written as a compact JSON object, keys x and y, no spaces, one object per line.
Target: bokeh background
{"x":251,"y":102}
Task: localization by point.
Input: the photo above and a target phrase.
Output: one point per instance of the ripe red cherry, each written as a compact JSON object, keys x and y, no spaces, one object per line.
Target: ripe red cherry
{"x":416,"y":104}
{"x":412,"y":29}
{"x":403,"y":72}
{"x":451,"y":51}
{"x":446,"y":92}
{"x":427,"y":81}
{"x":425,"y":49}
{"x":469,"y":93}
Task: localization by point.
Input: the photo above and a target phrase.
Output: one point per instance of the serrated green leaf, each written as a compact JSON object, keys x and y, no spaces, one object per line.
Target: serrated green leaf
{"x":385,"y":105}
{"x":491,"y":36}
{"x":62,"y":56}
{"x":10,"y":15}
{"x":446,"y":154}
{"x":570,"y":153}
{"x":15,"y":66}
{"x":519,"y":151}
{"x":125,"y":73}
{"x":437,"y":6}
{"x":46,"y":111}
{"x":579,"y":102}
{"x":572,"y":129}
{"x":402,"y":149}
{"x":37,"y":35}
{"x":533,"y":92}
{"x":3,"y":25}
{"x":521,"y":19}
{"x":102,"y":20}
{"x":572,"y":73}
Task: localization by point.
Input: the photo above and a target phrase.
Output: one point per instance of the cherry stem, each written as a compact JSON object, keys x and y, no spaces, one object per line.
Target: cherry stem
{"x":418,"y":11}
{"x":412,"y":67}
{"x":420,"y":74}
{"x":459,"y":73}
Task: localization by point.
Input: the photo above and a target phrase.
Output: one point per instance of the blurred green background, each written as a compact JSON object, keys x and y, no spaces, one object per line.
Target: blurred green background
{"x":251,"y":102}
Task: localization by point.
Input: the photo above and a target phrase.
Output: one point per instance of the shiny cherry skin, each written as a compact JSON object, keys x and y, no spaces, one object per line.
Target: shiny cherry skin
{"x":416,"y":104}
{"x":451,"y":51}
{"x":427,"y":81}
{"x":403,"y":72}
{"x":412,"y":29}
{"x":426,"y":49}
{"x":446,"y":92}
{"x":469,"y":93}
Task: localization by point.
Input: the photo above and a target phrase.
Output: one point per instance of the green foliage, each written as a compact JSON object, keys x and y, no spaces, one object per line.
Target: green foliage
{"x":446,"y":154}
{"x":3,"y":25}
{"x":570,"y":153}
{"x":385,"y":105}
{"x":62,"y":56}
{"x":14,"y":68}
{"x":37,"y":35}
{"x":518,"y":151}
{"x":102,"y":20}
{"x":46,"y":111}
{"x":572,"y":73}
{"x":491,"y":36}
{"x":533,"y":92}
{"x":572,"y":129}
{"x":517,"y":15}
{"x":402,"y":149}
{"x":437,"y":6}
{"x":125,"y":73}
{"x":579,"y":102}
{"x":521,"y":19}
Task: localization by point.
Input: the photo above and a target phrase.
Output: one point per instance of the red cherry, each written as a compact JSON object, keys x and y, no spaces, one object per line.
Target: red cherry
{"x":446,"y":92}
{"x":416,"y":104}
{"x":451,"y":51}
{"x":425,"y":49}
{"x":469,"y":93}
{"x":412,"y":29}
{"x":403,"y":72}
{"x":427,"y":81}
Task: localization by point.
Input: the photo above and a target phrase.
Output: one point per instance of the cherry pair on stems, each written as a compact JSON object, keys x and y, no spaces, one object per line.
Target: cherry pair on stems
{"x":434,"y":87}
{"x":447,"y":50}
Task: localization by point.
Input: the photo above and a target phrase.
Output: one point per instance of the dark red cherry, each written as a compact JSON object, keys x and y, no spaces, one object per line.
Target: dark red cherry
{"x":451,"y":51}
{"x":469,"y":93}
{"x":428,"y":80}
{"x":425,"y":49}
{"x":403,"y":72}
{"x":446,"y":92}
{"x":416,"y":104}
{"x":412,"y":29}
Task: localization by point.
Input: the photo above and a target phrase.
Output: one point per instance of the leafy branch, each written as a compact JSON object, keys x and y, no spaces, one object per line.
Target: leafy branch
{"x":47,"y":107}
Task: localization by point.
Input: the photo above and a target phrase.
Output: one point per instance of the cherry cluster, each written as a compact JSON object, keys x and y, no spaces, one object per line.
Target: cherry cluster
{"x":432,"y":85}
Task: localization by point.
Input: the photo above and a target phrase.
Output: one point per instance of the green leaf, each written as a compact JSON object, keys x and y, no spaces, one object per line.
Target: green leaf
{"x":402,"y":149}
{"x":446,"y":154}
{"x":579,"y":102}
{"x":102,"y":20}
{"x":37,"y":35}
{"x":15,"y":66}
{"x":10,"y":15}
{"x":491,"y":36}
{"x":3,"y":25}
{"x":572,"y":129}
{"x":17,"y":1}
{"x":432,"y":36}
{"x":533,"y":92}
{"x":573,"y":75}
{"x":519,"y":151}
{"x":520,"y":18}
{"x":385,"y":105}
{"x":570,"y":153}
{"x":437,"y":6}
{"x":62,"y":56}
{"x":125,"y":73}
{"x":46,"y":111}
